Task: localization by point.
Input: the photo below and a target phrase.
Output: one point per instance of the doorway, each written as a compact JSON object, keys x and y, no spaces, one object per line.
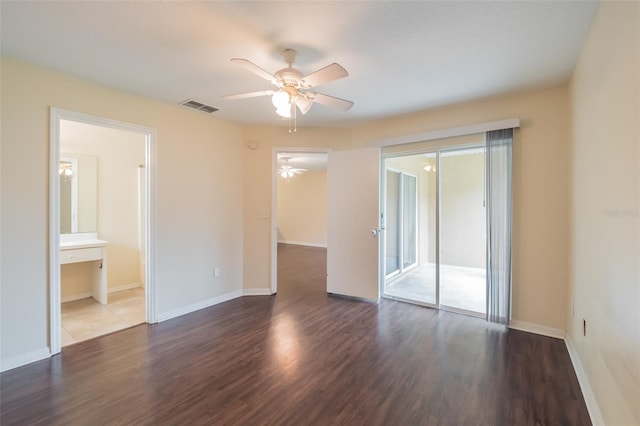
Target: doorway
{"x":435,"y":229}
{"x":299,"y":203}
{"x":101,"y":264}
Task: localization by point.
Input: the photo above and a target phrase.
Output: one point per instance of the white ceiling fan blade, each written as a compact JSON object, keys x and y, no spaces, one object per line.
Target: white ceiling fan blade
{"x":324,"y":75}
{"x":331,"y":101}
{"x":256,"y":70}
{"x":249,"y":95}
{"x":303,"y":103}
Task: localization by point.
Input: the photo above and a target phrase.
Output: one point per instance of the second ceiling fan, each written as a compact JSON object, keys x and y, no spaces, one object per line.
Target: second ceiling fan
{"x":293,"y":86}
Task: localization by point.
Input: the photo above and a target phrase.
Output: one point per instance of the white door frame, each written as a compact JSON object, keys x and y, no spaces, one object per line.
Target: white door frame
{"x":274,"y":203}
{"x":57,"y":114}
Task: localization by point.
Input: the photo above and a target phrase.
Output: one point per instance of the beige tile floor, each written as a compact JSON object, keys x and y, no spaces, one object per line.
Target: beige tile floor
{"x":85,"y":319}
{"x":460,"y":287}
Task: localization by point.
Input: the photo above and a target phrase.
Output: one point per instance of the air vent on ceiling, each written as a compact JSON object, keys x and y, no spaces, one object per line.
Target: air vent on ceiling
{"x":190,"y":103}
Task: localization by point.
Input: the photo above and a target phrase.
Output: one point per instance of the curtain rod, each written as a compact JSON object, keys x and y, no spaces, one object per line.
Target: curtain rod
{"x":448,"y":133}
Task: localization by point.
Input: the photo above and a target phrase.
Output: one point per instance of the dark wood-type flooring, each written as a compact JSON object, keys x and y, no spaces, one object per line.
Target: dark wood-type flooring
{"x":302,"y":358}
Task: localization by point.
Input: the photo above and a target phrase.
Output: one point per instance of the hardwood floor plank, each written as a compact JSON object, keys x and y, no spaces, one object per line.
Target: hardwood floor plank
{"x":302,"y":358}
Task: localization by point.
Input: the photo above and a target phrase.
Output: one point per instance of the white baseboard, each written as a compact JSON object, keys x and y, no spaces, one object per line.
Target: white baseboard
{"x":302,"y":243}
{"x":80,"y":296}
{"x":587,"y":392}
{"x":256,"y":292}
{"x":537,"y":329}
{"x":73,"y":297}
{"x":23,"y":359}
{"x":124,"y":287}
{"x":197,"y":306}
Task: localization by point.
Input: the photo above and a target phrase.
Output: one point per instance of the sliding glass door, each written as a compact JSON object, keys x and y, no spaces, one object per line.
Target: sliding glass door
{"x":410,"y":221}
{"x":463,"y":230}
{"x":435,"y":242}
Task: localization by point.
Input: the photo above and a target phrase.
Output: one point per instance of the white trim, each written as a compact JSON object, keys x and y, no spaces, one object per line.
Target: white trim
{"x":256,"y":292}
{"x":274,"y":204}
{"x":23,"y":359}
{"x":302,"y":243}
{"x":543,"y":330}
{"x":151,"y":304}
{"x":448,"y":133}
{"x":583,"y":381}
{"x":55,"y":310}
{"x":74,"y":297}
{"x":55,"y":115}
{"x":124,"y":287}
{"x":200,"y":305}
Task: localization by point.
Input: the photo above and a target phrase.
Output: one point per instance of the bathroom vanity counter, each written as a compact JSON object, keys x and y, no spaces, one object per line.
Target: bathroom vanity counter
{"x":94,"y":251}
{"x":71,"y":245}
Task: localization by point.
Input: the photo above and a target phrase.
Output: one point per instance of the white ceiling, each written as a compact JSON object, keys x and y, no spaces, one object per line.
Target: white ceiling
{"x":401,"y":56}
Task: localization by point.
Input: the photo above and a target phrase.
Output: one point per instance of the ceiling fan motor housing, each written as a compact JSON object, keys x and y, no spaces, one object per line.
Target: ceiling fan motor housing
{"x":289,"y":76}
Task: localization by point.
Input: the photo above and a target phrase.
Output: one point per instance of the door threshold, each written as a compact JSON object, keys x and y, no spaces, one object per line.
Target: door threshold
{"x":433,"y":306}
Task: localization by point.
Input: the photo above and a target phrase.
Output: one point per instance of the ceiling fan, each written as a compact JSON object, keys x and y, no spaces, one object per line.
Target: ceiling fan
{"x":286,"y":171}
{"x":292,"y":86}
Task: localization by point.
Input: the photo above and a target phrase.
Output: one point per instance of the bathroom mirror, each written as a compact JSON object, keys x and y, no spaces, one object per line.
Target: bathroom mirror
{"x":78,"y":193}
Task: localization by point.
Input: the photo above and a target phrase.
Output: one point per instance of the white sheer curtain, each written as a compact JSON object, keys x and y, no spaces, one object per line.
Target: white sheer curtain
{"x":498,"y":173}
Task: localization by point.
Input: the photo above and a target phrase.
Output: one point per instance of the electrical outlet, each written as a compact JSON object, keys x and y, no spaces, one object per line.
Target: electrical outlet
{"x":216,"y":272}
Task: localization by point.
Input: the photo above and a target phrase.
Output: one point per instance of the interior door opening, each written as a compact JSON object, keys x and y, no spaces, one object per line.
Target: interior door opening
{"x":299,"y":208}
{"x":101,"y":251}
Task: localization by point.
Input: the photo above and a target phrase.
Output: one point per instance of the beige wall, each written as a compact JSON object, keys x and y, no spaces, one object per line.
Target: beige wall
{"x":302,"y":209}
{"x":605,"y":280}
{"x":540,"y":189}
{"x":119,"y":154}
{"x":463,"y":221}
{"x":198,"y":214}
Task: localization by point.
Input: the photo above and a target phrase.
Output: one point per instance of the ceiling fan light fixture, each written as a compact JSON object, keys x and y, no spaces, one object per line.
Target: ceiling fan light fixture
{"x":284,"y":112}
{"x":280,"y":99}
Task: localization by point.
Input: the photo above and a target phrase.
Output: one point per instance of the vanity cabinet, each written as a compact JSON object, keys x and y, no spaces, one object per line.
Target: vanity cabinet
{"x":94,"y":251}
